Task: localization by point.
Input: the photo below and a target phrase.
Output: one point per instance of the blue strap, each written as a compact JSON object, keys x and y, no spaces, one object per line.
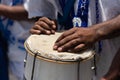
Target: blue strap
{"x":15,"y":2}
{"x":97,"y":21}
{"x":68,"y":13}
{"x":66,"y":7}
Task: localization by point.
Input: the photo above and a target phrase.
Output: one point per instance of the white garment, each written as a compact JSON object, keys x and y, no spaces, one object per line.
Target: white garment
{"x":19,"y":31}
{"x":108,"y":9}
{"x":37,"y":8}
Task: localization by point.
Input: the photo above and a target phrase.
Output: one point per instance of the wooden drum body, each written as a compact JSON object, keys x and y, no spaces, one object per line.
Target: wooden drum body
{"x":44,"y":64}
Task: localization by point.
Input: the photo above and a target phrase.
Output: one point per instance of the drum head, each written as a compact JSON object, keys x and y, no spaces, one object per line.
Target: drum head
{"x":43,"y":46}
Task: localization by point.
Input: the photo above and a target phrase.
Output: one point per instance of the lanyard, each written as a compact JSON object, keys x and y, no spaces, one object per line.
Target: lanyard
{"x":97,"y":11}
{"x":97,"y":21}
{"x":69,"y":18}
{"x":81,"y":17}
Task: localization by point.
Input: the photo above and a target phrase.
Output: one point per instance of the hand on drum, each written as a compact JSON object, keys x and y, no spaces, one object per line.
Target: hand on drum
{"x":44,"y":26}
{"x":75,"y":40}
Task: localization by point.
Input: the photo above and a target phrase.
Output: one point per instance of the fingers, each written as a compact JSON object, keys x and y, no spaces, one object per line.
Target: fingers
{"x":49,"y":22}
{"x":37,"y":29}
{"x":65,"y":35}
{"x":66,"y":40}
{"x":65,"y":45}
{"x":44,"y":26}
{"x":103,"y":79}
{"x":74,"y":45}
{"x":78,"y":48}
{"x":33,"y":31}
{"x":75,"y":39}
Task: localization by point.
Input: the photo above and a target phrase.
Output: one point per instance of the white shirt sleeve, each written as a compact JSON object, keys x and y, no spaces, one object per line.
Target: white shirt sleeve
{"x":38,"y":8}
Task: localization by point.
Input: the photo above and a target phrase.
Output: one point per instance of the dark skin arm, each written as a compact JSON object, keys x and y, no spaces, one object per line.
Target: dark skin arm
{"x":114,"y":71}
{"x":13,"y":12}
{"x":77,"y":39}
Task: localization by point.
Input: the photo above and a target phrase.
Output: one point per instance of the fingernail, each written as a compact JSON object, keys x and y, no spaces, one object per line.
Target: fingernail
{"x":55,"y":47}
{"x":60,"y":49}
{"x":38,"y":32}
{"x":53,"y":31}
{"x":54,"y":26}
{"x":52,"y":22}
{"x":48,"y":32}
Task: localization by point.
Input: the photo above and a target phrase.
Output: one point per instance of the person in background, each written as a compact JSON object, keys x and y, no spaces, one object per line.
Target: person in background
{"x":15,"y":26}
{"x":90,"y":22}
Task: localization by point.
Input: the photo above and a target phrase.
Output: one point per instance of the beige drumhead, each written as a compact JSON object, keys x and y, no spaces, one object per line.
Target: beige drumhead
{"x":43,"y":45}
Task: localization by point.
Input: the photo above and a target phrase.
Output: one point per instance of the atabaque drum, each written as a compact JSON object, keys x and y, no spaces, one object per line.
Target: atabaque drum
{"x":44,"y":63}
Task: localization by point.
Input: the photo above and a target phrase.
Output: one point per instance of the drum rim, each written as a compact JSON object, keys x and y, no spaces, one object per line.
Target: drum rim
{"x":53,"y":60}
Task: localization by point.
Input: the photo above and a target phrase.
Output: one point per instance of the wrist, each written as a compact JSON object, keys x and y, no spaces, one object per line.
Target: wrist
{"x":97,"y":32}
{"x":100,"y":31}
{"x":104,"y":30}
{"x":108,"y":29}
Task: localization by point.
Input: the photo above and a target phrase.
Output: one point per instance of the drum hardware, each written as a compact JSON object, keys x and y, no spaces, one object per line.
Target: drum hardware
{"x":25,"y":60}
{"x":33,"y":66}
{"x":78,"y":71}
{"x":95,"y":67}
{"x":24,"y":67}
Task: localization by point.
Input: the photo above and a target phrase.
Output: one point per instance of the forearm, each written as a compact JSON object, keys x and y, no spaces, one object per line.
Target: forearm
{"x":108,"y":29}
{"x":13,"y":12}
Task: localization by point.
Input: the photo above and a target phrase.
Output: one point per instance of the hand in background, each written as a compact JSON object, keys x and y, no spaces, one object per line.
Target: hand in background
{"x":44,"y":26}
